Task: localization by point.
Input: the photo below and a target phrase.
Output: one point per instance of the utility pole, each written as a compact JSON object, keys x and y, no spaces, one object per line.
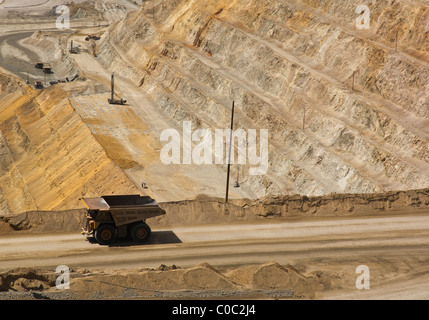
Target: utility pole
{"x":303,"y":120}
{"x":396,"y":43}
{"x":112,"y":83}
{"x":354,"y":78}
{"x":229,"y":156}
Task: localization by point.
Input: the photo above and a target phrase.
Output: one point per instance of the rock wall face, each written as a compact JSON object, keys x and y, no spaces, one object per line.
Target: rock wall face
{"x":48,"y":157}
{"x":346,"y":108}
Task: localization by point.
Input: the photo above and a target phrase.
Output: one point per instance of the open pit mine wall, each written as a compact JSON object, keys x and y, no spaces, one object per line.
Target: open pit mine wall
{"x":289,"y":66}
{"x":48,"y":157}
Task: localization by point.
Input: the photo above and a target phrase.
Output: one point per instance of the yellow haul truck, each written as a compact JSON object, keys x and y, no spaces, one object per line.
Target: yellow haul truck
{"x":111,"y":217}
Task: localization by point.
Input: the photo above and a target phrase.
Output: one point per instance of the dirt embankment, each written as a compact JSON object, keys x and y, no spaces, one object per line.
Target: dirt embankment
{"x":44,"y":221}
{"x":212,"y":210}
{"x":269,"y":280}
{"x":207,"y":210}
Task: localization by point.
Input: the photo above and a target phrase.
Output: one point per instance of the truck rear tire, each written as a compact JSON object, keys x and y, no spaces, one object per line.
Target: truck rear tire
{"x":140,"y":232}
{"x":106,"y":234}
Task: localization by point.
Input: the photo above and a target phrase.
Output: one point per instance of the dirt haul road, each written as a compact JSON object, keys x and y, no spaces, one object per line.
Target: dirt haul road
{"x":395,"y":249}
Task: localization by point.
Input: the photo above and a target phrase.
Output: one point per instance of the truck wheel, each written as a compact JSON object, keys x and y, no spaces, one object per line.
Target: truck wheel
{"x":106,"y":234}
{"x":140,"y":232}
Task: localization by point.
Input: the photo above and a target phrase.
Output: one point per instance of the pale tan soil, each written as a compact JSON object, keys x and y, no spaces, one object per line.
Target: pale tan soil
{"x":288,"y":65}
{"x":204,"y":281}
{"x":317,"y":259}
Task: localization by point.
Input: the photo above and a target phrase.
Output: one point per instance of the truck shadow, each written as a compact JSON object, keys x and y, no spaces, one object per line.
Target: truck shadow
{"x":157,"y":237}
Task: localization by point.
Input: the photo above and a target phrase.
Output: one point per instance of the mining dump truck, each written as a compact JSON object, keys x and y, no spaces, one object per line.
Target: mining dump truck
{"x":47,"y":68}
{"x":109,"y":218}
{"x":93,"y":37}
{"x":38,"y":84}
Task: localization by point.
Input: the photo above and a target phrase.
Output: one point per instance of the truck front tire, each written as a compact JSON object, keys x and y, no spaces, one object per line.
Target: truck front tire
{"x":106,"y":234}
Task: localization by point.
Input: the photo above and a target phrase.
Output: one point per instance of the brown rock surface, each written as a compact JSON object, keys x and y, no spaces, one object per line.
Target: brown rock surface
{"x":48,"y":156}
